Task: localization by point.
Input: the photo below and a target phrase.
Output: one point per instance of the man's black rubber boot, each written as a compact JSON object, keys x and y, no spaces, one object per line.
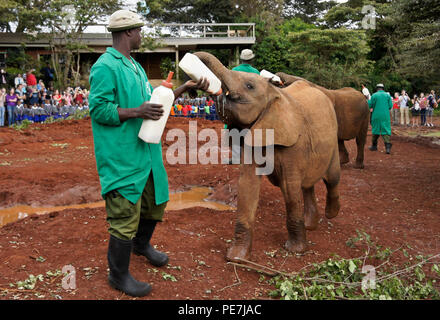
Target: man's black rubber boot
{"x":118,"y":256}
{"x":142,"y":246}
{"x":388,"y":147}
{"x":373,"y":147}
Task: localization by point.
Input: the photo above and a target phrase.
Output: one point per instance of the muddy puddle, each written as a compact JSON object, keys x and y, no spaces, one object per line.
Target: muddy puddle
{"x":195,"y":197}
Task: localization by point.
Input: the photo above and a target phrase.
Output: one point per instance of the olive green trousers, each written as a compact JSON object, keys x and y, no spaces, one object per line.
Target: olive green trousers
{"x":123,"y":216}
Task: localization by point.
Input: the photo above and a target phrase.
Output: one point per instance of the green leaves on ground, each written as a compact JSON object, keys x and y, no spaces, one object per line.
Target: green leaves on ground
{"x":379,"y":275}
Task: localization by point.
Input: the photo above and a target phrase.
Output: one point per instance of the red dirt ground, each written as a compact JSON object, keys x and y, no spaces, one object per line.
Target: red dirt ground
{"x":394,"y":199}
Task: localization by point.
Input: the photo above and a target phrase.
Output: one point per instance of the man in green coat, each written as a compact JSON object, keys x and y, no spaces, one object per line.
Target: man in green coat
{"x":133,"y":179}
{"x":246,"y":58}
{"x":381,"y":105}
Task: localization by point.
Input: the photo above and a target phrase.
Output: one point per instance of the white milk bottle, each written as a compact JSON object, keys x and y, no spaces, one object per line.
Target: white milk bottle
{"x":151,"y":130}
{"x":196,"y":69}
{"x":269,"y":75}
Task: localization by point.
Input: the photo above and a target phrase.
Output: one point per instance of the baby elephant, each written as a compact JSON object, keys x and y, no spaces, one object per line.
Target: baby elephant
{"x":304,"y":144}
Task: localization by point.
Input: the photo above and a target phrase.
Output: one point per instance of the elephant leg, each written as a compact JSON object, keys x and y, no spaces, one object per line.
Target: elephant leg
{"x":247,"y":202}
{"x":311,"y":216}
{"x":343,"y":153}
{"x":361,"y":140}
{"x":331,"y":181}
{"x":295,"y":219}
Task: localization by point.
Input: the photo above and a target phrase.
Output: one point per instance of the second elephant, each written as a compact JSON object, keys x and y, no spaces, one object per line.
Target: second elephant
{"x":352,"y":113}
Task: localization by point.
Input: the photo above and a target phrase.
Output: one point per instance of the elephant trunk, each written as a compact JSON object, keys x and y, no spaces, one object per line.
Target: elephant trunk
{"x":213,"y":64}
{"x":228,"y":83}
{"x":287,"y":78}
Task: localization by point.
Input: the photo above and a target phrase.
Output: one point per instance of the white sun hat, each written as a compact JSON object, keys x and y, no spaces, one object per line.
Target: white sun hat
{"x":124,"y":20}
{"x":247,"y":54}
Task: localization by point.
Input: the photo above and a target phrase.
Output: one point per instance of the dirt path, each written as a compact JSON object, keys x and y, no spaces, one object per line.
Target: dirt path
{"x":394,"y":199}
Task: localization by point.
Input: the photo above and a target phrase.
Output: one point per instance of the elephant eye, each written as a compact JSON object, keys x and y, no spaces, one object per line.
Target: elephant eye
{"x":249,"y":86}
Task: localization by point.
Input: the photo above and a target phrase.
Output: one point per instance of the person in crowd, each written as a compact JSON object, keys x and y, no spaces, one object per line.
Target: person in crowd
{"x":57,"y":97}
{"x":19,"y":109}
{"x":3,"y":77}
{"x":246,"y":60}
{"x":63,"y":108}
{"x":381,"y":104}
{"x":366,"y":92}
{"x":31,"y":80}
{"x":432,"y":104}
{"x":11,"y":103}
{"x":67,"y":97}
{"x":48,"y":108}
{"x":40,"y":85}
{"x":404,"y":108}
{"x":207,"y":109}
{"x":19,"y":80}
{"x":78,"y":96}
{"x":415,"y":111}
{"x":423,"y":102}
{"x":133,"y":179}
{"x":86,"y":96}
{"x":48,"y":74}
{"x":2,"y":106}
{"x":186,"y":109}
{"x":42,"y":95}
{"x":34,"y":98}
{"x":21,"y":92}
{"x":395,"y":110}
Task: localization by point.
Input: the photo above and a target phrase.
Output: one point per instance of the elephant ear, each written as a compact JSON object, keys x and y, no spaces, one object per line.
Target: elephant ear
{"x":281,"y":116}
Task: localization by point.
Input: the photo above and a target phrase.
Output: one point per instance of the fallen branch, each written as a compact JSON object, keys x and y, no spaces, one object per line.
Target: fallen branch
{"x":234,"y":284}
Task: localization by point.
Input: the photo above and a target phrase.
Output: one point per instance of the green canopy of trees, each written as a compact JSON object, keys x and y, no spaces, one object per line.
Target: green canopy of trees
{"x":324,"y":41}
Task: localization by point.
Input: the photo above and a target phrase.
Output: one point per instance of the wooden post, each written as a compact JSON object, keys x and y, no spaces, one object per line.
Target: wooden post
{"x":237,"y":55}
{"x":177,"y":62}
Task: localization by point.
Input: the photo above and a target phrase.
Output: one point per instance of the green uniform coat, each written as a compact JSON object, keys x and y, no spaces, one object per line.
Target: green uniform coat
{"x":124,"y":161}
{"x":380,"y":118}
{"x":246,"y":68}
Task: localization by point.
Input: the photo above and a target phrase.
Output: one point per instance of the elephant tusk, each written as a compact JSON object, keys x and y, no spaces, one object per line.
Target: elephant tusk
{"x":227,"y":93}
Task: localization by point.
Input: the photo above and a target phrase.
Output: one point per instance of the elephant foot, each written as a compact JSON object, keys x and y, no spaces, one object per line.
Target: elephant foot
{"x":359,"y":165}
{"x":311,"y":220}
{"x":296,"y":246}
{"x":332,"y":207}
{"x":236,"y":253}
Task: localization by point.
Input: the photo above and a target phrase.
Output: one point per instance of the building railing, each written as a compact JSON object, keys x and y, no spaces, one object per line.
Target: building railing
{"x":191,"y":30}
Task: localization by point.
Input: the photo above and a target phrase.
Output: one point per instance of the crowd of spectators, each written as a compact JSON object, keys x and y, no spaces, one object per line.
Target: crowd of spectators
{"x":418,"y":107}
{"x":35,"y":101}
{"x":199,"y":107}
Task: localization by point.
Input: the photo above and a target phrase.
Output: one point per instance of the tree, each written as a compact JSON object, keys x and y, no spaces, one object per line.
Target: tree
{"x":24,"y":15}
{"x":307,"y":10}
{"x":418,"y":42}
{"x":67,"y":22}
{"x":331,"y":58}
{"x":188,"y":11}
{"x":271,"y":49}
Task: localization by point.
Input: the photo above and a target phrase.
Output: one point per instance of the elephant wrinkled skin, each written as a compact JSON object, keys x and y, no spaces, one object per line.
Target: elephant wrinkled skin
{"x":305,"y":150}
{"x":352,"y":113}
